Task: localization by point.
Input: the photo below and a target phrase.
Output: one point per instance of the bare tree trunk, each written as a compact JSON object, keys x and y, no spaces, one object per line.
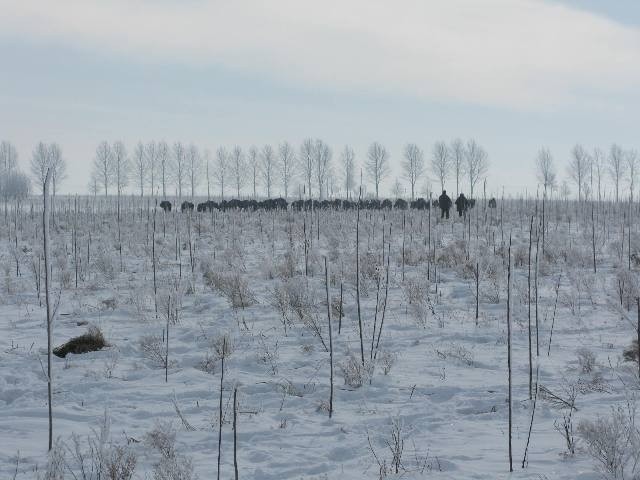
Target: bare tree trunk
{"x":529,"y":311}
{"x":477,"y":291}
{"x":340,"y":317}
{"x":358,"y":276}
{"x":326,"y":281}
{"x":47,"y":288}
{"x":224,"y":354}
{"x":509,"y":354}
{"x":533,"y":413}
{"x":166,"y":358}
{"x":553,"y":320}
{"x":403,"y":243}
{"x":593,"y":238}
{"x":235,"y":432}
{"x":386,"y":295}
{"x":536,"y":290}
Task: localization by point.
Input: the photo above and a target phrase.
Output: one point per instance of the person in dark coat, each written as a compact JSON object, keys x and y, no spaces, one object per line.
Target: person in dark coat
{"x":462,"y":204}
{"x":445,"y":204}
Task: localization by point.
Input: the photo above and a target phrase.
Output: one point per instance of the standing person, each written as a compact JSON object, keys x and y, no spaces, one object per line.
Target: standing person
{"x":445,"y":204}
{"x":462,"y":204}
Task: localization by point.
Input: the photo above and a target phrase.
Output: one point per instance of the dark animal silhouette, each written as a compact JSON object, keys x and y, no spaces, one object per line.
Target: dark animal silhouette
{"x":207,"y":206}
{"x":420,"y":204}
{"x":165,"y":205}
{"x":186,"y":206}
{"x":630,"y":354}
{"x":400,"y":204}
{"x":492,"y":203}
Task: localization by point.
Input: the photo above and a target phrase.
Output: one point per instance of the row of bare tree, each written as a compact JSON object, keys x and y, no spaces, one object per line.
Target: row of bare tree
{"x":588,"y":171}
{"x":159,"y":168}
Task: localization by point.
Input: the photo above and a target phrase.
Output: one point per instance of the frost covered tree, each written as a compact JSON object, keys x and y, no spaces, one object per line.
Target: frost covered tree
{"x":140,"y":166}
{"x":207,"y":171}
{"x":565,"y":191}
{"x":347,"y":160}
{"x":616,"y":166}
{"x":631,"y":157}
{"x":377,"y":164}
{"x":8,"y":157}
{"x":322,"y":162}
{"x":477,"y":164}
{"x":440,"y":162}
{"x":413,"y":165}
{"x":164,"y":164}
{"x":598,"y":166}
{"x":58,"y":166}
{"x":252,"y":159}
{"x":307,"y":159}
{"x":287,"y":166}
{"x":151,"y":157}
{"x":45,"y":157}
{"x":103,"y":168}
{"x":578,"y":168}
{"x":121,"y":166}
{"x":397,"y":190}
{"x":238,"y":168}
{"x":545,"y":170}
{"x":457,"y":159}
{"x":221,"y":169}
{"x":179,"y":164}
{"x":268,"y":166}
{"x":194,"y":168}
{"x":14,"y":185}
{"x":40,"y":163}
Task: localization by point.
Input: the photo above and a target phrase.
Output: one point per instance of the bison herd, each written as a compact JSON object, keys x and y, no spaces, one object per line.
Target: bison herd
{"x":337,"y":204}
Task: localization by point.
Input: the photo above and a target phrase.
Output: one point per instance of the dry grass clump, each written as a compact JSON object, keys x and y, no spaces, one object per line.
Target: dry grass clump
{"x":91,"y":341}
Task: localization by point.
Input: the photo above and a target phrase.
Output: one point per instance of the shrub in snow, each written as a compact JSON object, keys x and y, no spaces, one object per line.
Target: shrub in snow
{"x":416,"y":294}
{"x":93,"y":457}
{"x":355,"y":374}
{"x":586,"y":359}
{"x":387,"y":360}
{"x":154,"y":349}
{"x":231,"y":285}
{"x":176,"y":467}
{"x":614,"y":442}
{"x":162,"y":438}
{"x":55,"y":462}
{"x":172,"y":465}
{"x":454,"y":255}
{"x":104,"y":266}
{"x":120,"y":463}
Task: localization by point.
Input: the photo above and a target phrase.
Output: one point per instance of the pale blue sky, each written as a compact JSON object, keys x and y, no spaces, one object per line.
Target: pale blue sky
{"x":515,"y":76}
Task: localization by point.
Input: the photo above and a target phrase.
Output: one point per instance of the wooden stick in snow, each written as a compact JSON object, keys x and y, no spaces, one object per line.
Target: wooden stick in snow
{"x":47,"y":288}
{"x":326,"y":281}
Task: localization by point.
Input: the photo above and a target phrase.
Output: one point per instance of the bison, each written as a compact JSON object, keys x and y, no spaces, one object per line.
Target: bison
{"x":165,"y":205}
{"x":420,"y":204}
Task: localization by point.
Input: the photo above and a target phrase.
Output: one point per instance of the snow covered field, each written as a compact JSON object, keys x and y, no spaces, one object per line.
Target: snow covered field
{"x":250,"y":287}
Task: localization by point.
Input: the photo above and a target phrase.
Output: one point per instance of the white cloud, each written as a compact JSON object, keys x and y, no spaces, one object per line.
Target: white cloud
{"x":509,"y":53}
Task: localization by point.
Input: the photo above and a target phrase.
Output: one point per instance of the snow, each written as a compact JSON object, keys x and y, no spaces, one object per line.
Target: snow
{"x":447,"y":388}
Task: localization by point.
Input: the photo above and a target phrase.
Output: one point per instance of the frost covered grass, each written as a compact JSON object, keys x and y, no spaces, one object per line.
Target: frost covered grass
{"x":419,"y":391}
